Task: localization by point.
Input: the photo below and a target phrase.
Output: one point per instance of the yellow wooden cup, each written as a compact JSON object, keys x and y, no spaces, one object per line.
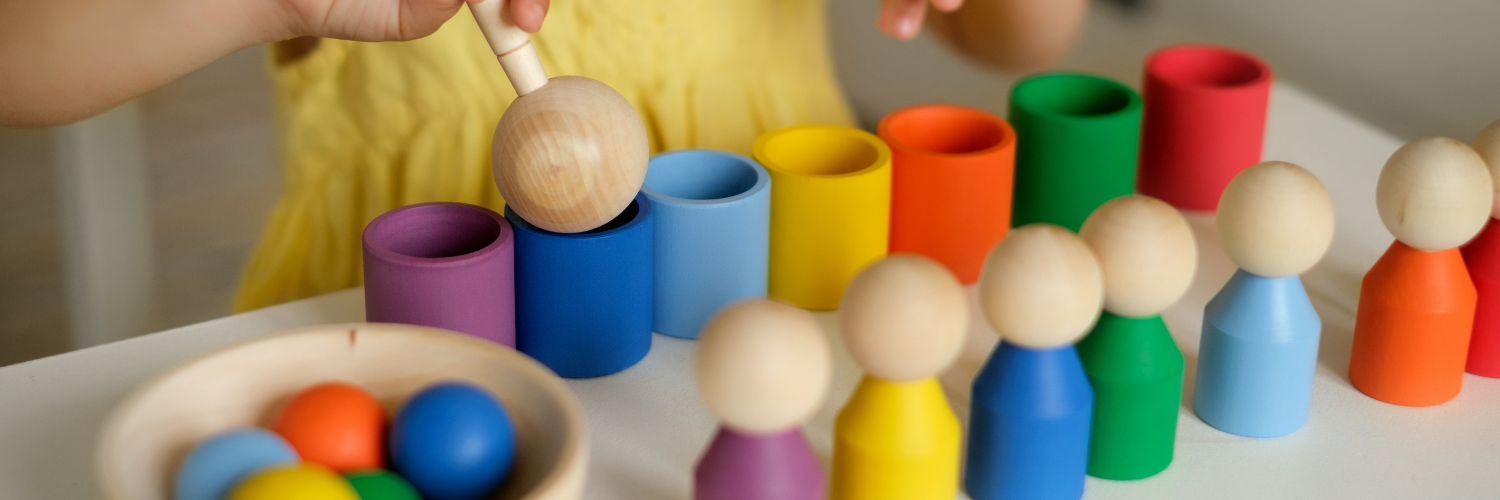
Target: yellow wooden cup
{"x":830,"y":209}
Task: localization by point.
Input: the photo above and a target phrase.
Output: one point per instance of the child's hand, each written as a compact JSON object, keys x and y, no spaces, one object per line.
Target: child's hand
{"x":902,"y":19}
{"x":381,"y":20}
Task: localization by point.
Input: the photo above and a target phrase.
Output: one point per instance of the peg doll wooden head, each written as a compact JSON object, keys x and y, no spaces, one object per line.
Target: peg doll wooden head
{"x":1434,"y":194}
{"x":1146,"y":252}
{"x":763,"y":366}
{"x":1041,"y":287}
{"x":1488,"y":147}
{"x":1275,"y":220}
{"x":904,"y":318}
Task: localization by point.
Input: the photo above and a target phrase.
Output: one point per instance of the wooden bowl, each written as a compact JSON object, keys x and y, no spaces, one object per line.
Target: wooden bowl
{"x":148,"y":435}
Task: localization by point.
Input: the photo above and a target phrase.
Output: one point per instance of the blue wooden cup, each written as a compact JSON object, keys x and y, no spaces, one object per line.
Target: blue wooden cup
{"x":583,"y":300}
{"x":713,"y":224}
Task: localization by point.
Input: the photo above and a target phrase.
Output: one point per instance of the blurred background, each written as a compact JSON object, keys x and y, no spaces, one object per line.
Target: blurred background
{"x":140,"y":220}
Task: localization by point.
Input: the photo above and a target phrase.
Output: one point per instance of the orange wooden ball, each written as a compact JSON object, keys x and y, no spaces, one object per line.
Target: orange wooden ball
{"x":335,"y":424}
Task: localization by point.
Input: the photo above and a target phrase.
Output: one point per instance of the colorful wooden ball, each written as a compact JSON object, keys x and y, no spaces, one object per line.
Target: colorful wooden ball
{"x":1275,"y":220}
{"x":453,"y":441}
{"x":217,"y":464}
{"x":1041,"y":287}
{"x":763,"y":366}
{"x":904,"y":318}
{"x":336,"y":424}
{"x":1488,"y":147}
{"x":1146,"y":251}
{"x":1434,"y":193}
{"x":381,"y":485}
{"x":307,"y":481}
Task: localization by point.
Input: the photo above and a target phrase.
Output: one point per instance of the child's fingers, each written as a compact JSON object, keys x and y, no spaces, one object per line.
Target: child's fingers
{"x":528,"y":14}
{"x":901,"y":19}
{"x":947,"y":5}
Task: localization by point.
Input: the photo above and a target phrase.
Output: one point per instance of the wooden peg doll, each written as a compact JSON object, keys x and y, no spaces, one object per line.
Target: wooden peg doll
{"x":764,"y":369}
{"x":903,"y":320}
{"x":1482,"y":257}
{"x":1259,"y":346}
{"x":1416,"y":306}
{"x":1031,"y":407}
{"x":1148,"y":256}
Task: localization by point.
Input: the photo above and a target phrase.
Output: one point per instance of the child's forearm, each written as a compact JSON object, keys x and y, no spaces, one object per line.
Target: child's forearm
{"x":1016,"y":35}
{"x":64,"y":60}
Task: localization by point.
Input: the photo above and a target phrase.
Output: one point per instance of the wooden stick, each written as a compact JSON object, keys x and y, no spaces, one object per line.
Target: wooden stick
{"x":511,"y":45}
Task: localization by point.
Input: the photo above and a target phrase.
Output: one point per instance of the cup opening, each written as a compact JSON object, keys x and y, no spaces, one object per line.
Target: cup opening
{"x":1073,"y":95}
{"x":436,"y":231}
{"x":947,"y":130}
{"x":693,"y":175}
{"x":624,"y":218}
{"x":1203,"y":66}
{"x":820,"y":151}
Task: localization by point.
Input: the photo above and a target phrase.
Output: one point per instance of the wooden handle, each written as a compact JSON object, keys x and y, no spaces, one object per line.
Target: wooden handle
{"x":511,"y":45}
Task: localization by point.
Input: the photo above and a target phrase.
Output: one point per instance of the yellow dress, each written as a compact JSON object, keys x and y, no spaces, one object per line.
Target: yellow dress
{"x":368,"y":127}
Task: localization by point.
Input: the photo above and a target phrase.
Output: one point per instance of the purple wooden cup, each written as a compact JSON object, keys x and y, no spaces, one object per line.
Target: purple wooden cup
{"x":445,"y":265}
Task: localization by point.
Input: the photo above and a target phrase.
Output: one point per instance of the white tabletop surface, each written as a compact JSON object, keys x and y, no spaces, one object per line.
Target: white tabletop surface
{"x":648,"y":426}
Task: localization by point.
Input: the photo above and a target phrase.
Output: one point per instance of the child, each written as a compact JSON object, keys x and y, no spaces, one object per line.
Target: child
{"x":369,"y":127}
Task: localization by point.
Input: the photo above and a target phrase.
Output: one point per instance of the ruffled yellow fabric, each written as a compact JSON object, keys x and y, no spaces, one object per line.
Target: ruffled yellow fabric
{"x":368,"y":127}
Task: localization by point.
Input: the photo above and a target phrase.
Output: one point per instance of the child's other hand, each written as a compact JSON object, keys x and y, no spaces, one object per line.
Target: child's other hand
{"x":902,"y":19}
{"x":382,"y":20}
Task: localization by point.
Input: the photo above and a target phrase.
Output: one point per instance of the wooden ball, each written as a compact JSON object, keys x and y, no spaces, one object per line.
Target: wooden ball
{"x":1146,"y":252}
{"x":1434,"y":194}
{"x":1041,"y":287}
{"x":570,"y":156}
{"x":904,"y":318}
{"x":763,"y":366}
{"x":1488,"y":147}
{"x":1275,"y":220}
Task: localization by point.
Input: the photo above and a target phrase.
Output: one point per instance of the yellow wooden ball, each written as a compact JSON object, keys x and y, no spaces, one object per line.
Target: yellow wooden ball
{"x":904,"y":318}
{"x":1041,"y":287}
{"x":307,"y":481}
{"x":1146,"y":251}
{"x":763,"y":366}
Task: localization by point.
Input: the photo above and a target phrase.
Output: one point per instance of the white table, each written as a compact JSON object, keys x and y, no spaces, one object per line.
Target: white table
{"x":648,"y":427}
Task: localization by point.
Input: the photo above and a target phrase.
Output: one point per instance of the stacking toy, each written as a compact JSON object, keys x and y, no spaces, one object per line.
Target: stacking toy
{"x":903,"y":319}
{"x":1482,"y":256}
{"x":570,"y":152}
{"x":453,"y":441}
{"x":381,"y":485}
{"x":1417,"y":305}
{"x":830,"y":209}
{"x":1259,"y":346}
{"x":763,"y":369}
{"x":216,"y":465}
{"x":336,"y":424}
{"x":1204,"y":122}
{"x":445,"y":265}
{"x":1147,"y":254}
{"x":1077,"y":138}
{"x":1041,"y":289}
{"x":307,"y":481}
{"x":951,"y":173}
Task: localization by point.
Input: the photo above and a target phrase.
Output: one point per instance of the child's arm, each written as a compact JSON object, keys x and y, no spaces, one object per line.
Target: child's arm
{"x":1011,"y":34}
{"x":65,"y":60}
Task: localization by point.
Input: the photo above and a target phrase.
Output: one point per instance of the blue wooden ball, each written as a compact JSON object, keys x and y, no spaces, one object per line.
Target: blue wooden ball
{"x":218,"y":464}
{"x":453,"y":441}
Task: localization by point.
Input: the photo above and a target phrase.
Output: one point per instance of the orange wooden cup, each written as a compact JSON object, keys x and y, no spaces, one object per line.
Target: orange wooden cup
{"x":1411,"y":334}
{"x":951,"y":181}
